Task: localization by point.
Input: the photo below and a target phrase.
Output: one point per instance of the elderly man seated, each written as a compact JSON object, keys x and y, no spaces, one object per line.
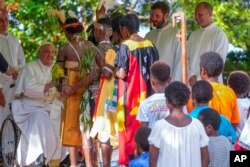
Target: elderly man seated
{"x":32,"y":108}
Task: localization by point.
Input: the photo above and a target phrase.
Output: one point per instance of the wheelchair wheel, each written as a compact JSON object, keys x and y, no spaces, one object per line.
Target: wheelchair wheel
{"x":8,"y":142}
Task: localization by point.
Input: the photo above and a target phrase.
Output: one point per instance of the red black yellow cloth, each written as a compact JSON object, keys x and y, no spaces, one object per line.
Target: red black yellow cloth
{"x":135,"y":58}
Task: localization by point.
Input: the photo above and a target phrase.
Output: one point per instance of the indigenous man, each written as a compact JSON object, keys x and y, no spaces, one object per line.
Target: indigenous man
{"x":13,"y":53}
{"x":208,"y":38}
{"x":164,"y":37}
{"x":69,"y":58}
{"x":32,"y":105}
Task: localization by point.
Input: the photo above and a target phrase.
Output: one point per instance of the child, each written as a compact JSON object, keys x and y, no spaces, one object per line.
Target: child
{"x":105,"y":121}
{"x":239,"y":81}
{"x":178,"y":140}
{"x":219,"y":146}
{"x":142,"y":148}
{"x":224,"y":99}
{"x":154,"y":107}
{"x":202,"y":93}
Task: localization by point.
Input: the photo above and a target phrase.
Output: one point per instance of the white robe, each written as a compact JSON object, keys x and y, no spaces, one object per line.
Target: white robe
{"x":31,"y":111}
{"x":168,"y":46}
{"x":13,"y":53}
{"x":211,"y":38}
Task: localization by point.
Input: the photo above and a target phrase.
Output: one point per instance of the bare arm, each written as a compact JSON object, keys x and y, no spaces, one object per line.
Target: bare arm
{"x":153,"y":155}
{"x":121,"y":73}
{"x":61,"y":56}
{"x":204,"y":157}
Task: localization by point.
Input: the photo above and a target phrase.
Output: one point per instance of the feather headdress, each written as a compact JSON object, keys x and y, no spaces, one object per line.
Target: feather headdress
{"x":59,"y":14}
{"x":108,"y":4}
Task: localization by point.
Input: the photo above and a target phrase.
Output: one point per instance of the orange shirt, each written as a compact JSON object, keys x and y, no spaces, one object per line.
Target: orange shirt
{"x":190,"y":105}
{"x":225,"y":102}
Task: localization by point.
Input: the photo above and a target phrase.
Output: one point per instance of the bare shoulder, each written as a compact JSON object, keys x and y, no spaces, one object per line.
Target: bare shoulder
{"x":64,"y":47}
{"x":87,"y":44}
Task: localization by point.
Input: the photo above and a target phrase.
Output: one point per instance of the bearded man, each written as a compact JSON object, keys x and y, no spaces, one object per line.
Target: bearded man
{"x":164,"y":37}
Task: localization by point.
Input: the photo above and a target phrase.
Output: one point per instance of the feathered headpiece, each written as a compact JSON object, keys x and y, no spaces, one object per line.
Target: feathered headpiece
{"x":59,"y":14}
{"x":108,"y":4}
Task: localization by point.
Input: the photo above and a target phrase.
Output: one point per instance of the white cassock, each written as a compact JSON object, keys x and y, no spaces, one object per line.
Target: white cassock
{"x":168,"y":46}
{"x":13,"y":53}
{"x":211,"y":38}
{"x":31,"y":112}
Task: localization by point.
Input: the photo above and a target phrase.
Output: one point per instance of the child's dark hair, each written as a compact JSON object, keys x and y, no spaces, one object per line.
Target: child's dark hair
{"x":210,"y":116}
{"x":202,"y":91}
{"x":115,"y":22}
{"x":239,"y":81}
{"x":212,"y":63}
{"x":73,"y":29}
{"x":131,"y":22}
{"x":163,"y":6}
{"x":177,"y":94}
{"x":141,"y":138}
{"x":160,"y":71}
{"x":104,"y":21}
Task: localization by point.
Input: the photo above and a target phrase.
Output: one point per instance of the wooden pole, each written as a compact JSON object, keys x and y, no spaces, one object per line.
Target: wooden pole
{"x":182,"y":36}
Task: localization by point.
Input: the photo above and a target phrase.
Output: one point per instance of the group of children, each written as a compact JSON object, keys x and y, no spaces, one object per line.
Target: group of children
{"x":217,"y":124}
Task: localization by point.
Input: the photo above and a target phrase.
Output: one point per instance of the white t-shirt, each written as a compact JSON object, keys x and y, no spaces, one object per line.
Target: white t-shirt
{"x":152,"y":109}
{"x":178,"y":146}
{"x":243,"y":106}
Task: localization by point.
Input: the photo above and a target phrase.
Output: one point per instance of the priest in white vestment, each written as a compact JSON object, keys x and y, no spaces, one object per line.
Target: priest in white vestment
{"x":13,"y":53}
{"x":164,"y":38}
{"x":32,"y":106}
{"x":208,"y":38}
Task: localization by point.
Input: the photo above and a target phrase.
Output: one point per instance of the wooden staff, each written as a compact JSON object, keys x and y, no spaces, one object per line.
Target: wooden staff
{"x":182,"y":36}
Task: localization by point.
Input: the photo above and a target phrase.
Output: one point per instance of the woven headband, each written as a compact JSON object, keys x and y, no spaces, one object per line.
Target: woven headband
{"x":78,"y":24}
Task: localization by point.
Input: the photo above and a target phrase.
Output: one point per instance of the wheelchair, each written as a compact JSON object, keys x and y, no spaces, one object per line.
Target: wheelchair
{"x":9,"y":137}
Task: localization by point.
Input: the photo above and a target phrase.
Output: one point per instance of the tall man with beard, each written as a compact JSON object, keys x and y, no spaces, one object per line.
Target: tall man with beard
{"x":164,"y":37}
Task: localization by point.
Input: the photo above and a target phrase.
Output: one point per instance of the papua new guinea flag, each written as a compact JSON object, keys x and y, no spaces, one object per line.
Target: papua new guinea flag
{"x":135,"y":58}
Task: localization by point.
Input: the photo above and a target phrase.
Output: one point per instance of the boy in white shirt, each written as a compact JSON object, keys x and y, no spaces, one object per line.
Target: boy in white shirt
{"x":154,"y":107}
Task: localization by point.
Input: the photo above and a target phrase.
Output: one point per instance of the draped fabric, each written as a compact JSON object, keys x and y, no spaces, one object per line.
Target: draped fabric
{"x":71,"y":134}
{"x":105,"y":122}
{"x":135,"y":58}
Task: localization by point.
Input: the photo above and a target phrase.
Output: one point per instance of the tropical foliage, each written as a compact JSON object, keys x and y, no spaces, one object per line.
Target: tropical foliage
{"x":30,"y":22}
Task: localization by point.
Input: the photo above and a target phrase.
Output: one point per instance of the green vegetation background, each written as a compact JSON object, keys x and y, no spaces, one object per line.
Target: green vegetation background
{"x":32,"y":25}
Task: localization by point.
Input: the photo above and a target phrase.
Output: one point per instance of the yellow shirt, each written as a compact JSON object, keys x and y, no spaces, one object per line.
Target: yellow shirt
{"x":225,"y":102}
